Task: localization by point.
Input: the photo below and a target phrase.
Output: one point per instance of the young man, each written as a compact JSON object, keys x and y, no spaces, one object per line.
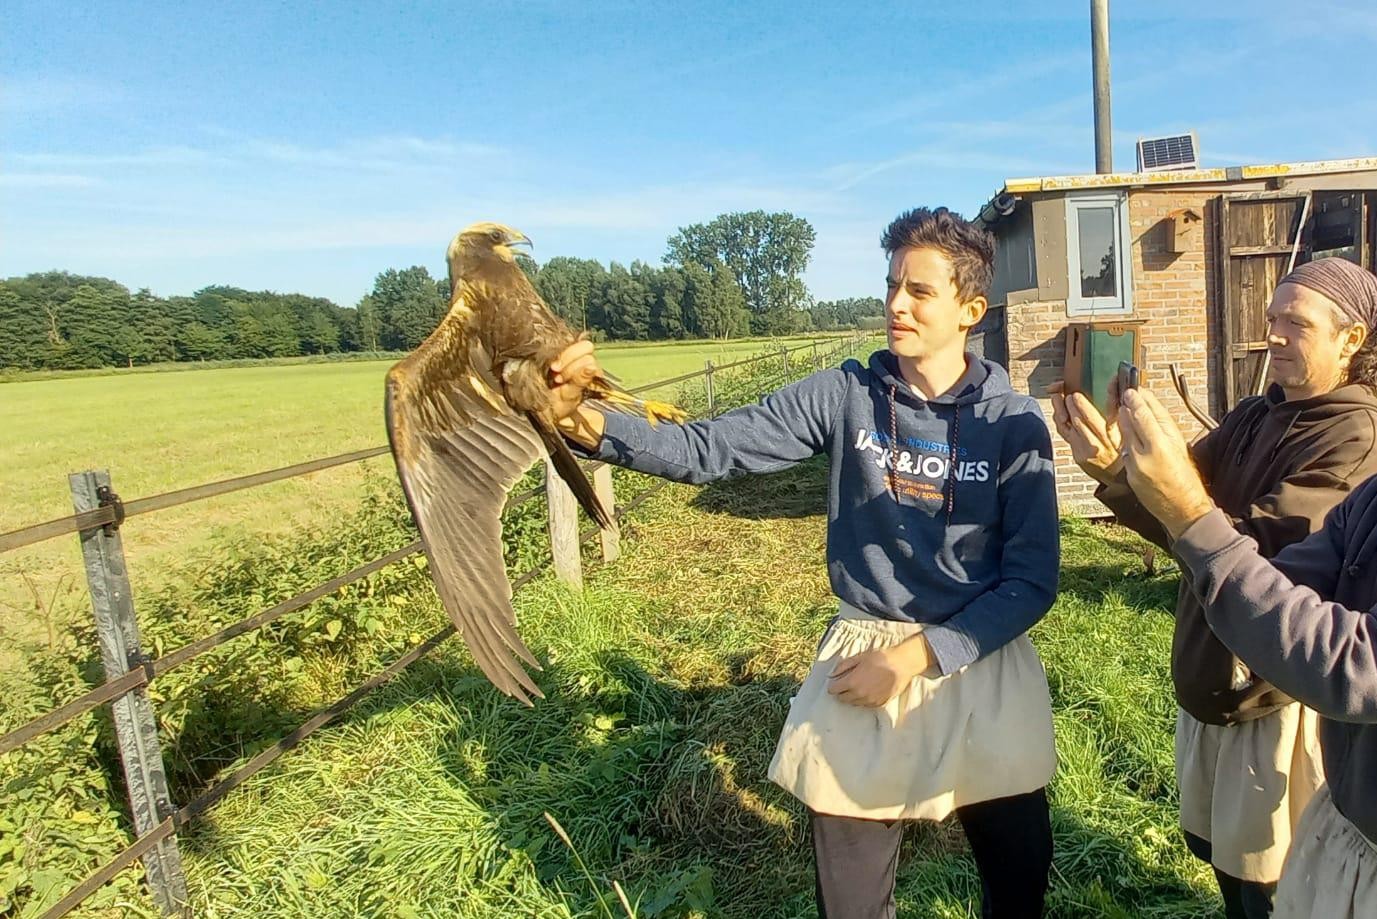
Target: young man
{"x":926,"y":696}
{"x":1247,"y":755}
{"x":1276,"y":617}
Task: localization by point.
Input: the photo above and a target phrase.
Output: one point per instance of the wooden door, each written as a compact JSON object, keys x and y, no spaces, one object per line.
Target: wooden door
{"x":1257,"y":232}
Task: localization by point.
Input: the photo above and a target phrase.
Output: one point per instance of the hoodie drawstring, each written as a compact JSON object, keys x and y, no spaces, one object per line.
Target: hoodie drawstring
{"x":948,"y":487}
{"x":893,"y":443}
{"x":951,"y":460}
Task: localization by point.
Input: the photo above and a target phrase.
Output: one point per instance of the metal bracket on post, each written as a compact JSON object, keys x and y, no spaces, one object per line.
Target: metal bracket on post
{"x":136,"y":729}
{"x":108,"y":498}
{"x":564,"y":528}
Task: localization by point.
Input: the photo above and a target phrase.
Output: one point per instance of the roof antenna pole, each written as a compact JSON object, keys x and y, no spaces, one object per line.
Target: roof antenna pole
{"x":1099,"y":64}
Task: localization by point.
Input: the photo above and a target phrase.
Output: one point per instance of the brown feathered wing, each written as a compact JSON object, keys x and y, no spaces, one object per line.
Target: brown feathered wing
{"x":459,"y":448}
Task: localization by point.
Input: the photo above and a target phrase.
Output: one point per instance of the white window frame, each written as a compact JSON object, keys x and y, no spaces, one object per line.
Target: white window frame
{"x":1076,"y":304}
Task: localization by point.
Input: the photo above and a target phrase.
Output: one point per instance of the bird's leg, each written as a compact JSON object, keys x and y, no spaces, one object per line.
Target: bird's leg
{"x":664,"y":411}
{"x":654,"y":411}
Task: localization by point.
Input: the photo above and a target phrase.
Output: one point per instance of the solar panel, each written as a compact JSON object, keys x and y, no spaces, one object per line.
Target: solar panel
{"x":1175,"y":152}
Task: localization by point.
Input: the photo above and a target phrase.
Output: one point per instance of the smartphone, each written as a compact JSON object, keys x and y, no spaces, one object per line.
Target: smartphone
{"x":1128,"y":377}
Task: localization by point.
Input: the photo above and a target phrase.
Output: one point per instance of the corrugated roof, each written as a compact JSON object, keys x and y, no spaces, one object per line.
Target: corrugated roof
{"x":1187,"y":176}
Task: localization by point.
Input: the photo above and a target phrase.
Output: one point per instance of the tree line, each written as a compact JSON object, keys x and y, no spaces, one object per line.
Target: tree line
{"x":740,"y":274}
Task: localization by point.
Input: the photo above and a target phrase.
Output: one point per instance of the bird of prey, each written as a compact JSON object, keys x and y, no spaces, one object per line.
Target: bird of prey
{"x":468,"y":412}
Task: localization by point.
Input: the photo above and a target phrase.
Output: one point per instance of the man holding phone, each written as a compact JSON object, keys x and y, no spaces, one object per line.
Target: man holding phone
{"x":1247,"y":755}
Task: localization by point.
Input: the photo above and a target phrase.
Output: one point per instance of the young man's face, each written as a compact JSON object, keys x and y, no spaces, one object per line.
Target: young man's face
{"x":1308,"y":350}
{"x":925,"y":314}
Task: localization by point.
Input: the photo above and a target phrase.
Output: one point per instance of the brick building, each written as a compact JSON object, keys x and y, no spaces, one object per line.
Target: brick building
{"x":1194,"y":255}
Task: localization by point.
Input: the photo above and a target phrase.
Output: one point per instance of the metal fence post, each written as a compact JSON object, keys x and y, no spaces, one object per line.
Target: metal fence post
{"x":784,"y":360}
{"x":611,"y":539}
{"x":564,"y":528}
{"x":136,"y":729}
{"x":712,"y":392}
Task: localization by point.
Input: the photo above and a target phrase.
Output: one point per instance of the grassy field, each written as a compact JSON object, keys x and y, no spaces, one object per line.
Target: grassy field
{"x":157,"y":432}
{"x":667,"y":680}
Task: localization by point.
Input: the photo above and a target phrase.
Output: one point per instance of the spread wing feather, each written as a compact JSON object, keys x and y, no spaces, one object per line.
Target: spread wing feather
{"x":456,"y":475}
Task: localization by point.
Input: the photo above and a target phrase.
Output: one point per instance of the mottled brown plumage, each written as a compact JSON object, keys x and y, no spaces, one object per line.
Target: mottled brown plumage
{"x":468,"y":412}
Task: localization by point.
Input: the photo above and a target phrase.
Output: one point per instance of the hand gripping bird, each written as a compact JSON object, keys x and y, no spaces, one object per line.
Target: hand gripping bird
{"x":468,"y":412}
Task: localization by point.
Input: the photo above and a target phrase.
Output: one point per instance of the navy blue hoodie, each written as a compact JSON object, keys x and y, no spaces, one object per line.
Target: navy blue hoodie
{"x":941,"y":511}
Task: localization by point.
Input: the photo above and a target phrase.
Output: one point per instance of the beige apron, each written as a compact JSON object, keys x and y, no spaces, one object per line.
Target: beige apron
{"x":1245,"y":786}
{"x":1331,"y":872}
{"x":981,"y":733}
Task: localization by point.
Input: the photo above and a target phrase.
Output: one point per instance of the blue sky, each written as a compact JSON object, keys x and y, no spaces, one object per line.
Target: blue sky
{"x":306,"y":148}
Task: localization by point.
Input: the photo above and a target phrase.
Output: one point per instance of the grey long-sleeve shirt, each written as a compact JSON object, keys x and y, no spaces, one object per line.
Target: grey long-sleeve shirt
{"x":1307,"y":622}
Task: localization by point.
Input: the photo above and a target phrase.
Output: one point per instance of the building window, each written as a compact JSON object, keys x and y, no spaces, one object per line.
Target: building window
{"x":1098,"y":271}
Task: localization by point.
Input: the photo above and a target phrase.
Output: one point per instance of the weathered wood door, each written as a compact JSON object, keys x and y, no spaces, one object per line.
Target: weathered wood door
{"x":1257,"y":232}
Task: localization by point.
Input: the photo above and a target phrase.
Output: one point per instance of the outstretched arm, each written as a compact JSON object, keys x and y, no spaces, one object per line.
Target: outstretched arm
{"x":784,"y":428}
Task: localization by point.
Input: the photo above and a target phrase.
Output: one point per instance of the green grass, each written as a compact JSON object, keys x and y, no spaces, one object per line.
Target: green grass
{"x":157,"y":432}
{"x":667,"y":681}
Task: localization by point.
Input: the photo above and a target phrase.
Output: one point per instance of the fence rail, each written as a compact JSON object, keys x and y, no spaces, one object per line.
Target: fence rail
{"x":129,"y":672}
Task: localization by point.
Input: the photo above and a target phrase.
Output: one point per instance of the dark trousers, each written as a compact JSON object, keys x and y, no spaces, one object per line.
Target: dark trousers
{"x":1011,"y":839}
{"x":1242,"y":899}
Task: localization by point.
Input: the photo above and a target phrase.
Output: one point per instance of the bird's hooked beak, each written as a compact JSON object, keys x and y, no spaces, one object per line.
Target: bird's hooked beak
{"x":519,"y":239}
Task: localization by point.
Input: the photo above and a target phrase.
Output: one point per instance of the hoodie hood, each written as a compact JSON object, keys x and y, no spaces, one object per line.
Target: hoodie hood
{"x":1274,"y":414}
{"x":982,"y":381}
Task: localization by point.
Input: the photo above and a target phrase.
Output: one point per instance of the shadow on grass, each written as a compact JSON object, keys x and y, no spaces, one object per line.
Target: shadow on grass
{"x":797,"y":492}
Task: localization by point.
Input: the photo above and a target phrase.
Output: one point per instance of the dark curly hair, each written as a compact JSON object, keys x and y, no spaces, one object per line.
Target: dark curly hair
{"x":969,"y":248}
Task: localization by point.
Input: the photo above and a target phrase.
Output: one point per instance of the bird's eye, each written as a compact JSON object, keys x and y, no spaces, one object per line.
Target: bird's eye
{"x":496,"y":236}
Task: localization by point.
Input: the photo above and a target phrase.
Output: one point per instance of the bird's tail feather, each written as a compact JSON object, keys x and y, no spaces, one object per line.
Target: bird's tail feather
{"x":567,"y":465}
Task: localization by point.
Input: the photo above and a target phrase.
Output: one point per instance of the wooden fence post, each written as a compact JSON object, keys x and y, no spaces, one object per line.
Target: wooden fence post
{"x":712,"y":392}
{"x":136,"y":729}
{"x":564,"y":528}
{"x":611,"y":539}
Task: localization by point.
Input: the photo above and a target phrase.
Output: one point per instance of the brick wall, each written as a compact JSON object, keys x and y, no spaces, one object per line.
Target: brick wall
{"x":1171,"y":291}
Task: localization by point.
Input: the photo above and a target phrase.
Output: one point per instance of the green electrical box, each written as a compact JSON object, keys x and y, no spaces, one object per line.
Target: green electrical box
{"x":1094,"y":351}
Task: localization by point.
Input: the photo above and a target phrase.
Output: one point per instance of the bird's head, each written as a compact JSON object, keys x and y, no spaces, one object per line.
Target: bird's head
{"x":483,"y":244}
